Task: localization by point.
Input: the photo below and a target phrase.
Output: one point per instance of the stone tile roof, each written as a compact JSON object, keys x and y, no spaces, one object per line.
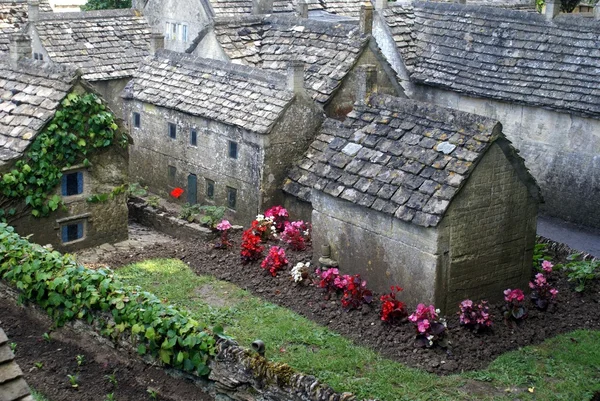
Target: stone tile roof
{"x":106,"y":44}
{"x":29,"y":96}
{"x":329,"y":50}
{"x":347,"y":8}
{"x":501,"y":54}
{"x":232,"y":94}
{"x":13,"y":16}
{"x":398,"y":156}
{"x":12,"y":384}
{"x":237,"y":8}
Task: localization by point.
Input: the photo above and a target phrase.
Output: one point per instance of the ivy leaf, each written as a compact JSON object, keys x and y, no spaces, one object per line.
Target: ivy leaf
{"x":165,"y":356}
{"x":150,"y":334}
{"x":81,"y":142}
{"x":141,"y":349}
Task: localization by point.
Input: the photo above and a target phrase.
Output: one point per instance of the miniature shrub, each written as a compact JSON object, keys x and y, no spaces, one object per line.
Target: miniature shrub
{"x":212,"y":215}
{"x":475,"y":316}
{"x":392,"y":310}
{"x":296,"y":234}
{"x":355,"y":292}
{"x":68,"y":291}
{"x":581,"y":271}
{"x":223,"y":227}
{"x":430,"y":329}
{"x":275,"y":260}
{"x":542,"y":295}
{"x":279,"y":216}
{"x":251,"y":248}
{"x":514,"y":309}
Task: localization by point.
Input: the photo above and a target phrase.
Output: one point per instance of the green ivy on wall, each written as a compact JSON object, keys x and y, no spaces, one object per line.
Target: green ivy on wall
{"x":81,"y":125}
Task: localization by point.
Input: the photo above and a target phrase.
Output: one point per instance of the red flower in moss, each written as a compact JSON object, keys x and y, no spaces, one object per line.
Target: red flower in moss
{"x":176,"y":193}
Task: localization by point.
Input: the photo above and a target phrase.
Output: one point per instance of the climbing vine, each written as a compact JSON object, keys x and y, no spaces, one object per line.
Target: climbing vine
{"x":81,"y":125}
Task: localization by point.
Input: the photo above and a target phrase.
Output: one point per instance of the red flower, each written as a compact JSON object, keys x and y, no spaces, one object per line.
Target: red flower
{"x":176,"y":193}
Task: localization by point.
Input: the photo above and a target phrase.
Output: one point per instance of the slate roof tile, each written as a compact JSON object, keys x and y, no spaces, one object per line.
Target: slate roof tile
{"x":104,"y":44}
{"x":13,"y":16}
{"x":22,"y":113}
{"x":508,"y":55}
{"x":329,"y":49}
{"x":416,"y":185}
{"x":217,"y":96}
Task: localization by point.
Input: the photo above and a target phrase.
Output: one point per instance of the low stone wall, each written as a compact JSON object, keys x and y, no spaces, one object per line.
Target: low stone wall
{"x":561,"y":250}
{"x":146,"y":215}
{"x":12,"y":384}
{"x":237,"y":374}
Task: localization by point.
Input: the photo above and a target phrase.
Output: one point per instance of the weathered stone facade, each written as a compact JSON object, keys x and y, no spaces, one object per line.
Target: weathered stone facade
{"x":434,"y":200}
{"x":12,"y":384}
{"x":268,"y":125}
{"x":36,"y":91}
{"x":528,"y":72}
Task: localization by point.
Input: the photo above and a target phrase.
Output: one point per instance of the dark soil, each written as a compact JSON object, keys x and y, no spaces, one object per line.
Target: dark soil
{"x":46,"y":364}
{"x":468,"y":351}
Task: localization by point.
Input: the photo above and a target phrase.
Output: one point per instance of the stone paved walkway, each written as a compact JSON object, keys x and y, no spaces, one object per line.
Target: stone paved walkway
{"x":576,"y":237}
{"x":139,"y":237}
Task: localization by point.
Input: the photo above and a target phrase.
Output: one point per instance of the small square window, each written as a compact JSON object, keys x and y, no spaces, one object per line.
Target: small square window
{"x":210,"y":189}
{"x":172,"y":130}
{"x":231,"y":197}
{"x":172,"y":174}
{"x":193,"y":138}
{"x":72,"y":184}
{"x":72,"y":232}
{"x":233,"y":149}
{"x":137,"y":120}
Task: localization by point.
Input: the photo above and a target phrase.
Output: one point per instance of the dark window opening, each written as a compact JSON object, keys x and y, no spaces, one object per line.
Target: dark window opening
{"x":172,"y":173}
{"x":38,"y":56}
{"x":210,"y":189}
{"x":72,"y":232}
{"x":233,"y":149}
{"x":72,"y":184}
{"x":194,"y":138}
{"x":172,"y":130}
{"x":137,"y":120}
{"x":231,"y":197}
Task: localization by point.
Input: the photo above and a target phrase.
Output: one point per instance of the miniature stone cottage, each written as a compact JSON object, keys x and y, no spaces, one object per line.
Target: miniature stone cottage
{"x":431,"y":199}
{"x":13,"y":17}
{"x":106,"y":45}
{"x":225,"y":133}
{"x":31,"y":94}
{"x":537,"y":74}
{"x":332,"y":52}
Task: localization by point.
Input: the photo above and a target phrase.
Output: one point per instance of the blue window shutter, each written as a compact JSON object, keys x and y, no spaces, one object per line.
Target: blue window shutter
{"x":64,"y":185}
{"x":80,"y":182}
{"x":64,"y":234}
{"x":79,"y":230}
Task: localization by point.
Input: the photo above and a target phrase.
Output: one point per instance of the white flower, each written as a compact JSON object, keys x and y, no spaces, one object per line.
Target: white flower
{"x":260,"y":217}
{"x":298,"y":270}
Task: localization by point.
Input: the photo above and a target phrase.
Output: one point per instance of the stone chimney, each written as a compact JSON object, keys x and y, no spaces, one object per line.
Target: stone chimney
{"x":367,"y":82}
{"x":295,"y":77}
{"x":20,"y":47}
{"x":157,"y":42}
{"x":381,"y":4}
{"x":597,"y":11}
{"x":552,"y":9}
{"x":33,"y":10}
{"x":366,"y":18}
{"x":302,"y":9}
{"x":262,"y":7}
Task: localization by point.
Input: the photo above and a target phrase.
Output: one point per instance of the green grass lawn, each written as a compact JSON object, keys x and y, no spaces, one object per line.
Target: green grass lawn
{"x":563,"y":368}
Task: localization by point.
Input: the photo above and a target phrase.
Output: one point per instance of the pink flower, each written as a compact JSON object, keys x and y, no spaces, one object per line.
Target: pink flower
{"x":514,"y":295}
{"x":423,"y":325}
{"x":547,"y":266}
{"x":553,"y":291}
{"x":467,"y":303}
{"x":224,"y":225}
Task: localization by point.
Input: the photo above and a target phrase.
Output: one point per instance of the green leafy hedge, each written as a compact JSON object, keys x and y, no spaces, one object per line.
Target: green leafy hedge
{"x":68,"y":291}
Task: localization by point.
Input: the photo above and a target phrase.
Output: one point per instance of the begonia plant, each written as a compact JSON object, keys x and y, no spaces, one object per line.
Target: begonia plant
{"x":475,"y":316}
{"x":542,"y":294}
{"x":275,"y":260}
{"x":393,"y":311}
{"x":430,"y":328}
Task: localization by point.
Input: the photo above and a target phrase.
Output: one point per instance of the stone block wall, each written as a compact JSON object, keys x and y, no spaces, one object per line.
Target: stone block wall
{"x":154,"y":151}
{"x":382,"y":249}
{"x":104,"y":221}
{"x":490,"y":227}
{"x":12,"y":384}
